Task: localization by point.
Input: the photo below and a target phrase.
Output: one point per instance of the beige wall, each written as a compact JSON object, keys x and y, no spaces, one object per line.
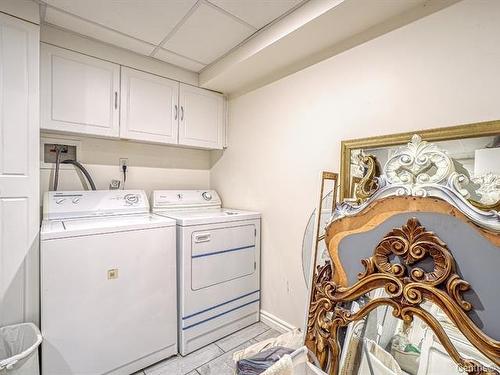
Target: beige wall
{"x":441,"y":70}
{"x":151,"y":167}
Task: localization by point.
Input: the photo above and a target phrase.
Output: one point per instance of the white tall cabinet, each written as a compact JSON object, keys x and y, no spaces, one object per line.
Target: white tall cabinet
{"x":19,"y":170}
{"x":149,"y":107}
{"x":79,"y":93}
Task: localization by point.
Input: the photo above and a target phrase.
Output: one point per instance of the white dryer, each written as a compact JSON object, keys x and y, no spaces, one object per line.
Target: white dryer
{"x":108,"y":283}
{"x":218,"y":253}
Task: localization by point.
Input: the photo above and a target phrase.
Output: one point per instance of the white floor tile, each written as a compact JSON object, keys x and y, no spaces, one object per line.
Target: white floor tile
{"x":223,"y":365}
{"x":232,"y":341}
{"x":179,"y":365}
{"x":272,"y":333}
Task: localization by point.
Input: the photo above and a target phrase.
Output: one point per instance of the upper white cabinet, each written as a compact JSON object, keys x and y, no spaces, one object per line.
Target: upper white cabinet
{"x":79,"y":94}
{"x":85,"y":95}
{"x":201,"y":117}
{"x":149,"y":107}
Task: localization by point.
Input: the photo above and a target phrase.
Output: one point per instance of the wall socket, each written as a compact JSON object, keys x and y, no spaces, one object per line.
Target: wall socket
{"x":122,"y":162}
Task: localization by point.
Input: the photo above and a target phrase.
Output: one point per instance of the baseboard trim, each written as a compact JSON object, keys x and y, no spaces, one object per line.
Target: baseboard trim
{"x":275,"y":322}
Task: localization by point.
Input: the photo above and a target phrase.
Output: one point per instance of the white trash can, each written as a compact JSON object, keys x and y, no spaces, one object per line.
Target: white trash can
{"x":19,"y":349}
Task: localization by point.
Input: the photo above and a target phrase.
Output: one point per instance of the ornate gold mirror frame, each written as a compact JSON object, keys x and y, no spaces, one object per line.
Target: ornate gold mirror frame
{"x":481,"y":129}
{"x":420,"y":179}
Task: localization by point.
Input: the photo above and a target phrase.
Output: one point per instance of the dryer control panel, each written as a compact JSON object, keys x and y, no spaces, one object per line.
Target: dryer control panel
{"x":185,"y":199}
{"x":73,"y":204}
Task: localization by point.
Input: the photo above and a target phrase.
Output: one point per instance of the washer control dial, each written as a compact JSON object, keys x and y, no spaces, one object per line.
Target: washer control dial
{"x":206,"y":195}
{"x":131,"y":199}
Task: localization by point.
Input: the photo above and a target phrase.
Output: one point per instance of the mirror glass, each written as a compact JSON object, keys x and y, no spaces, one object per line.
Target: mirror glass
{"x":381,"y":344}
{"x":477,"y":157}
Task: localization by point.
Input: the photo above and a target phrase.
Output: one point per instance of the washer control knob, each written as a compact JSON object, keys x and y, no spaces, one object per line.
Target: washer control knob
{"x":76,"y":200}
{"x":131,"y":199}
{"x":60,"y":200}
{"x":206,"y":195}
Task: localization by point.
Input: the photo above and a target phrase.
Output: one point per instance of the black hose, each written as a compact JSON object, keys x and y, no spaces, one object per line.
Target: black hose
{"x":83,"y":170}
{"x":56,"y":174}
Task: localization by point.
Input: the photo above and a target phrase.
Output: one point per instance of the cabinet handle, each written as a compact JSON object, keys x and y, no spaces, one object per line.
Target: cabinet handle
{"x":182,"y":113}
{"x":116,"y":99}
{"x":175,"y":112}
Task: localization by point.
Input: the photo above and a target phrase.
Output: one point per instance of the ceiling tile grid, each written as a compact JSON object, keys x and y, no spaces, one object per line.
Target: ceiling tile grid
{"x":187,"y":33}
{"x":207,"y":34}
{"x":257,"y":13}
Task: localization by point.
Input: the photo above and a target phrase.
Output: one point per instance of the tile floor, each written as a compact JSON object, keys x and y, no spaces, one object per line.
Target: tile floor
{"x":214,"y":359}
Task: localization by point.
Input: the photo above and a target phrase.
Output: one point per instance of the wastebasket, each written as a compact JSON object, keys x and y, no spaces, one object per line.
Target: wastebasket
{"x":19,"y":349}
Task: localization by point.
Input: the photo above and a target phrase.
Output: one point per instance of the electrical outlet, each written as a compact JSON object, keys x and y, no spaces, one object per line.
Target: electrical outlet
{"x":122,"y":162}
{"x":114,"y":185}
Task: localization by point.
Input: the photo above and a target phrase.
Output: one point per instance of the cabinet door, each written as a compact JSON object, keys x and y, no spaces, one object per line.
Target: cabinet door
{"x":19,"y":170}
{"x":149,"y":107}
{"x":79,"y":94}
{"x":201,"y":117}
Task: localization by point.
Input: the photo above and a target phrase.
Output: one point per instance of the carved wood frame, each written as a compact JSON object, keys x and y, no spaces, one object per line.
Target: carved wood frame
{"x":407,"y":286}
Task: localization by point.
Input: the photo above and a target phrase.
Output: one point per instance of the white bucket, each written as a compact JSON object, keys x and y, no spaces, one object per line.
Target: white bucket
{"x":19,"y":349}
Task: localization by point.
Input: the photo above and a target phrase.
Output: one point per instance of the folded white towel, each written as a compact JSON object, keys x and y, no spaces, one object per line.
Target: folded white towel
{"x":283,"y":367}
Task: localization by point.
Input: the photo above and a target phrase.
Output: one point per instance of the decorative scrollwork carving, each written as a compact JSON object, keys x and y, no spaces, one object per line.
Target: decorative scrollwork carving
{"x":489,"y":190}
{"x":319,"y":323}
{"x":369,"y":183}
{"x":412,"y":243}
{"x":407,"y":286}
{"x":418,"y":162}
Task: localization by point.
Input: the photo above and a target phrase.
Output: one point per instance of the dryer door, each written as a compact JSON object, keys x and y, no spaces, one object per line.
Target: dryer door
{"x":220,"y":255}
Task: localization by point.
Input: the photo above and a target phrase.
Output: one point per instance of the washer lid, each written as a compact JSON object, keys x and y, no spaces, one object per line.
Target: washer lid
{"x":52,"y":229}
{"x":209,"y":216}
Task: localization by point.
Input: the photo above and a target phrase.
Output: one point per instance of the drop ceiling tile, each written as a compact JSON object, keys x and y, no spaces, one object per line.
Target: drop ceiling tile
{"x":148,"y":20}
{"x":207,"y":34}
{"x":175,"y":59}
{"x":69,"y":22}
{"x":257,"y":13}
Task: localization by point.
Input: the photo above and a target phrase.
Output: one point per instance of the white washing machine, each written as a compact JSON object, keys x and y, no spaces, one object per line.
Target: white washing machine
{"x":108,"y":283}
{"x":218,"y":254}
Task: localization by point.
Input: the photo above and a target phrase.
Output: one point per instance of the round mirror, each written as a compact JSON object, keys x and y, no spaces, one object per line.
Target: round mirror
{"x":309,"y":237}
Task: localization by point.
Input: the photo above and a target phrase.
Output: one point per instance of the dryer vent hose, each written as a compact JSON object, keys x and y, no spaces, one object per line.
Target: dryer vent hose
{"x":84,"y":171}
{"x":77,"y":165}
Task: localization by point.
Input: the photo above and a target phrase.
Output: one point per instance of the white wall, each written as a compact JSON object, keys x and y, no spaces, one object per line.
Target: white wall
{"x":438,"y":71}
{"x":25,"y":9}
{"x":151,"y":167}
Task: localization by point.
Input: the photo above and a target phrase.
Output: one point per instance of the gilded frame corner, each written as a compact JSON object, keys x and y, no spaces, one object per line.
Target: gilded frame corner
{"x":472,"y":130}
